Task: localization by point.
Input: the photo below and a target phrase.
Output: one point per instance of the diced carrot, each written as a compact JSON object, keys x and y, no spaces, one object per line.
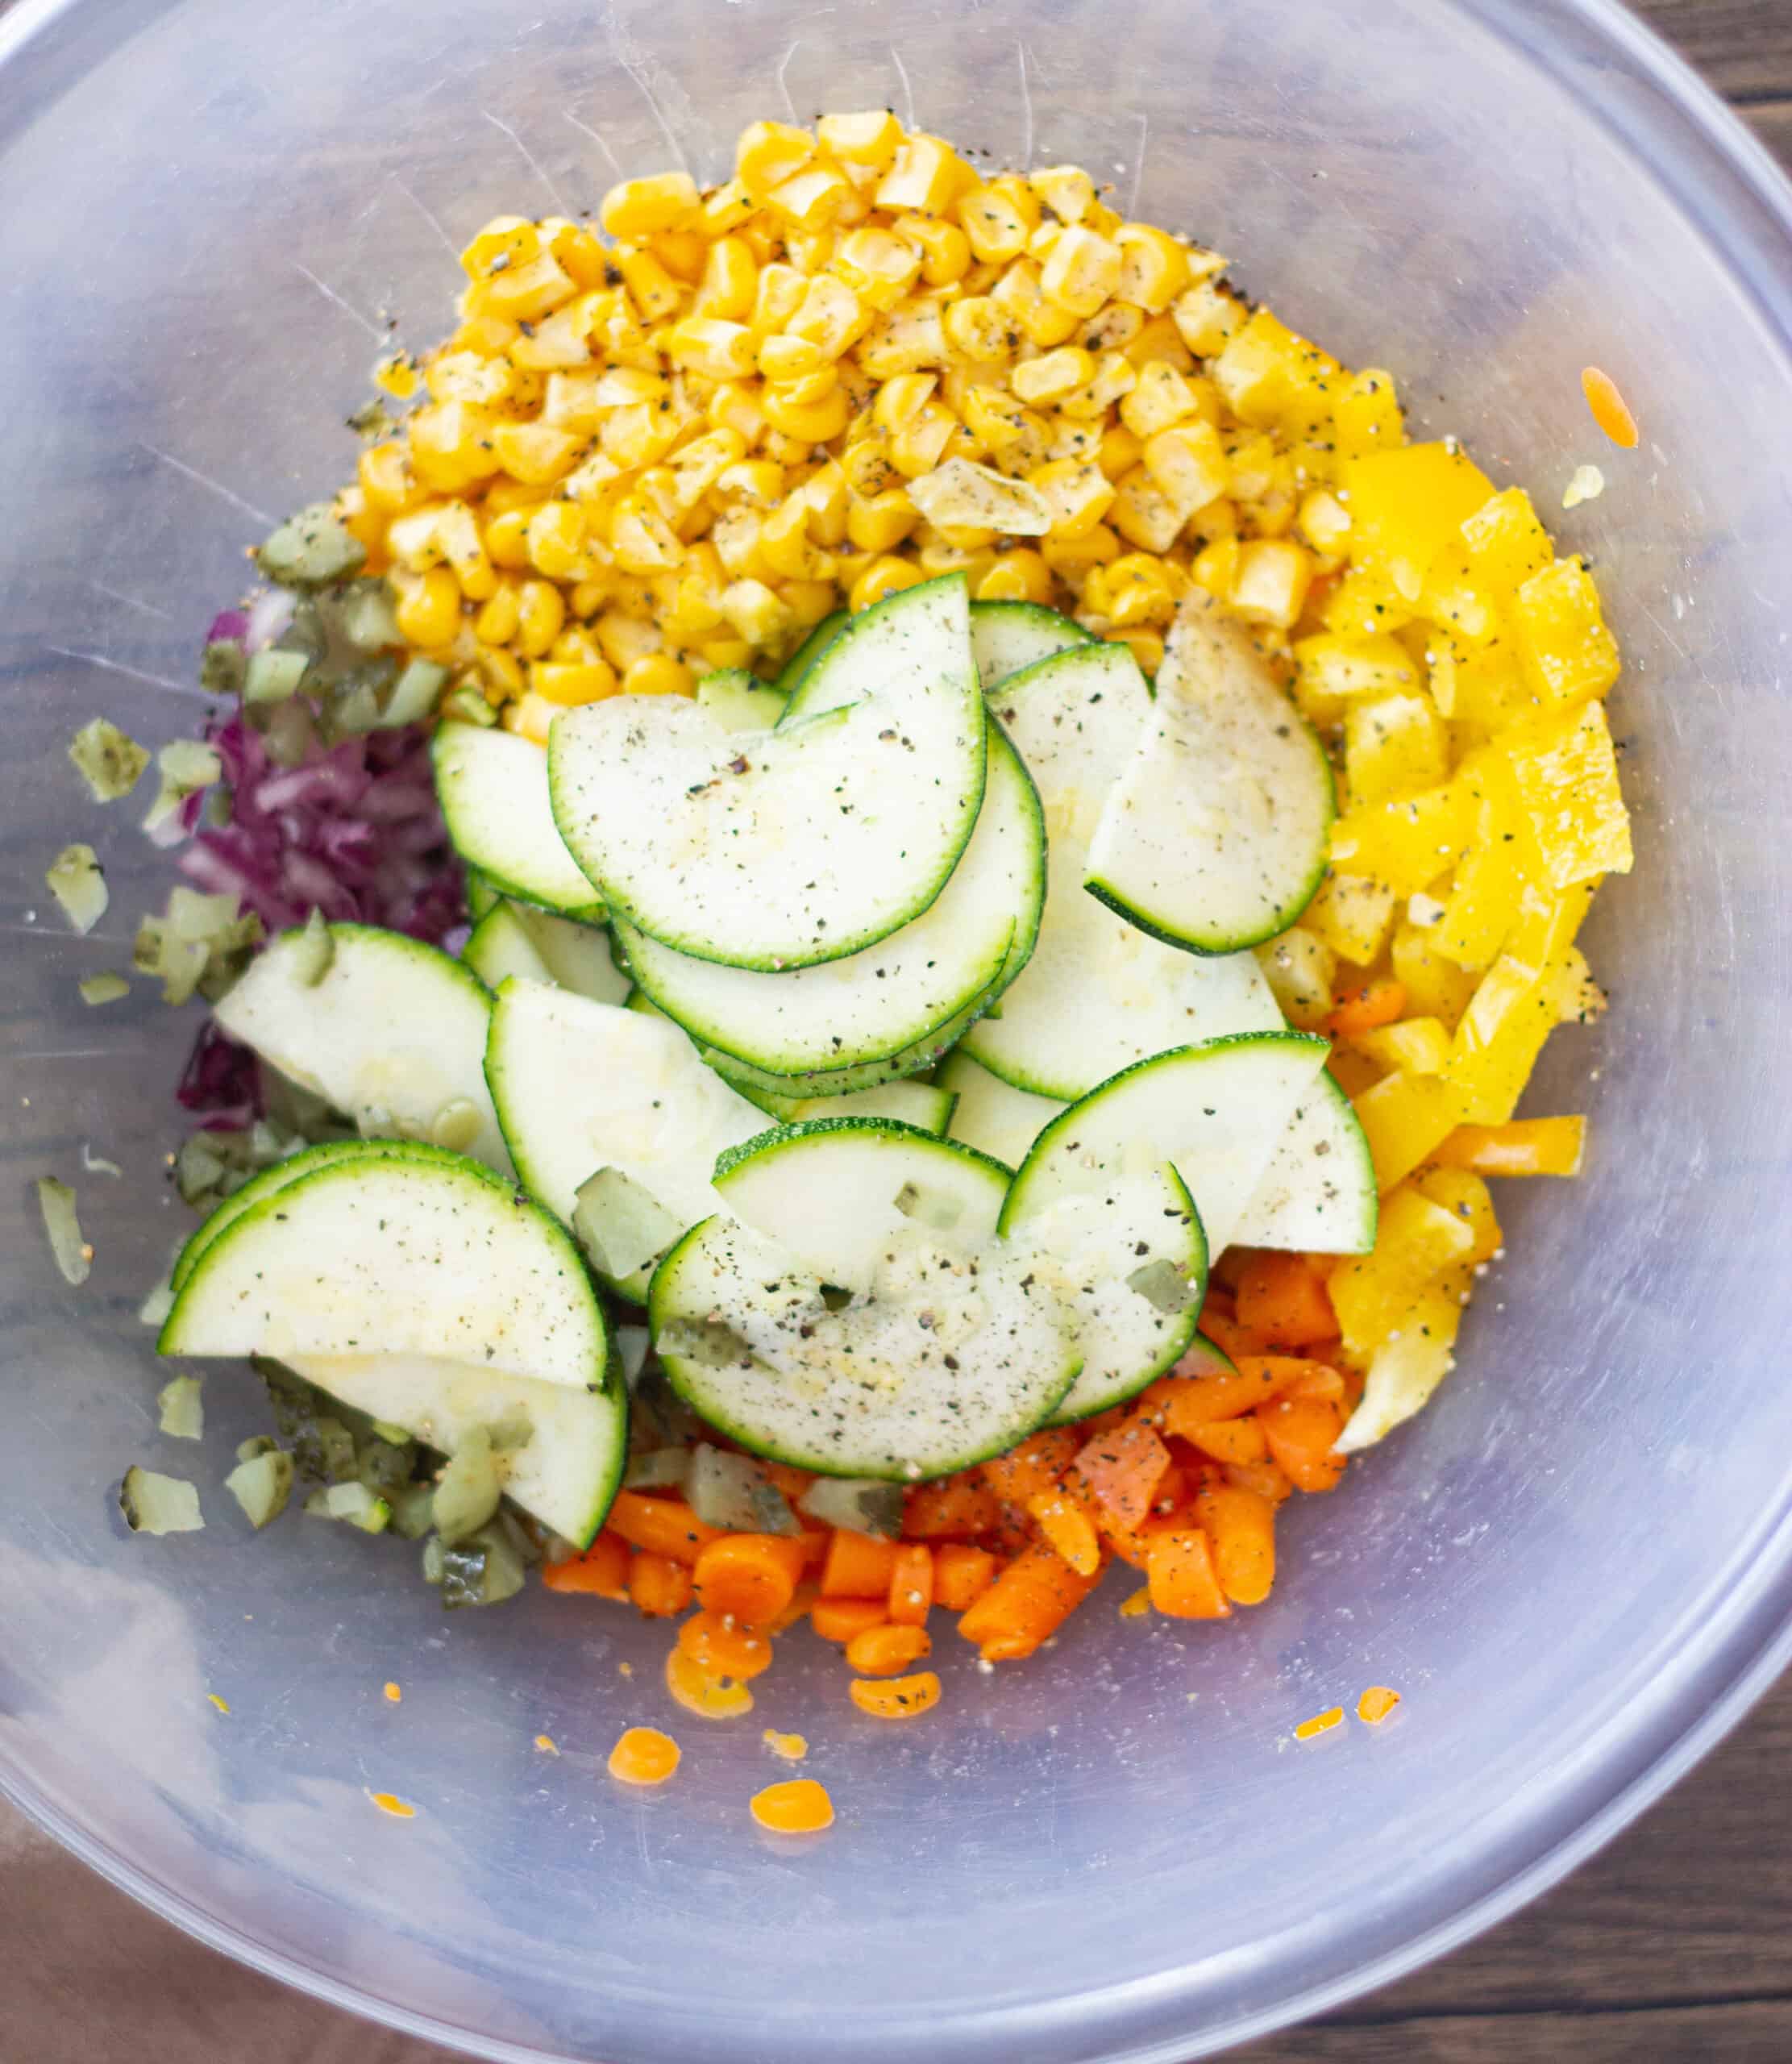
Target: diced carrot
{"x":1175,"y":1487}
{"x":658,"y":1586}
{"x":1180,"y":1571}
{"x":962,"y":1574}
{"x":856,"y":1565}
{"x":1321,"y":1379}
{"x":956,"y":1508}
{"x":897,"y":1698}
{"x":799,"y":1806}
{"x":1611,"y":410}
{"x":1068,"y":1528}
{"x":709,"y":1698}
{"x":1264,"y":1480}
{"x":643,"y":1755}
{"x":1284,"y":1296}
{"x":1234,"y":1339}
{"x":1241,"y":1527}
{"x":911,"y":1584}
{"x":1177,"y":1403}
{"x":815,"y":1540}
{"x":1302,"y":1432}
{"x":1376,"y":1703}
{"x":888,"y":1651}
{"x":662,"y":1526}
{"x":752,"y":1576}
{"x":1027,"y":1604}
{"x":1377,"y":1003}
{"x":1121,"y":1471}
{"x":803,"y":1600}
{"x":1230,"y":1440}
{"x":1321,"y":1723}
{"x":1218,"y":1303}
{"x":721,"y":1649}
{"x":1035,"y":1465}
{"x":601,"y":1571}
{"x":839,"y":1619}
{"x":793,"y":1483}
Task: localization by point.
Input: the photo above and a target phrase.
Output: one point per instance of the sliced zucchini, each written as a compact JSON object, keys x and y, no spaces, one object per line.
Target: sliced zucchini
{"x":833,"y":1193}
{"x":949,"y":1359}
{"x":565,"y":1473}
{"x":797,"y":666}
{"x":807,"y":843}
{"x":278,"y":1177}
{"x":1215,"y":1113}
{"x":1215,"y":837}
{"x":991,"y":1114}
{"x":392,"y":1033}
{"x":536,"y":946}
{"x":498,"y":947}
{"x":1318,"y":1194}
{"x":800,"y":1032}
{"x":738,"y":701}
{"x":419,"y":1253}
{"x":582,"y":1086}
{"x":480,"y":895}
{"x":1007,"y":636}
{"x":493,"y":786}
{"x":918,"y":1104}
{"x":1097,"y":994}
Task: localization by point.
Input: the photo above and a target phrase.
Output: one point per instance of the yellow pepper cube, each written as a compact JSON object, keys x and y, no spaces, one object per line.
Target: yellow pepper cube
{"x":925,"y":176}
{"x":1365,"y":603}
{"x":1455,"y":603}
{"x":1417,"y":1045}
{"x":1270,"y":583}
{"x":813,"y":198}
{"x":1408,"y":842}
{"x":872,"y":138}
{"x":1143,"y":514}
{"x":1301,"y":971}
{"x":1544,"y":929}
{"x":1513,"y":1012}
{"x":1154,"y":267}
{"x":1507,"y":543}
{"x":1525,"y":1147}
{"x":994,"y":223}
{"x":1567,"y":652}
{"x":769,"y":153}
{"x":1403,"y":1118}
{"x":903,"y":340}
{"x":1393,"y":745}
{"x":1020,"y":296}
{"x":1066,"y":189}
{"x":1435,"y":986}
{"x":1407,"y":506}
{"x":1366,"y":413}
{"x":640,"y":208}
{"x":1325,"y":522}
{"x":1567,"y":779}
{"x":1082,"y":272}
{"x":1462,"y":1191}
{"x":1417,"y":1240}
{"x":1351,"y":914}
{"x":1207,"y":318}
{"x":1333,"y":671}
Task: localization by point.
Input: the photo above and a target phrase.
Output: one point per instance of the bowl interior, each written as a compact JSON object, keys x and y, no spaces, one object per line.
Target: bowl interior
{"x":212,"y":219}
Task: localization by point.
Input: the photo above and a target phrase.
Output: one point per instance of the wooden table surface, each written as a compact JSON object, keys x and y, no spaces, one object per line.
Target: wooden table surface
{"x":1673,"y":1945}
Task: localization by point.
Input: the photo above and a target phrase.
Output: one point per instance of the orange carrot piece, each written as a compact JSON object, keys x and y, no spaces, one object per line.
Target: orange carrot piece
{"x":1376,"y":1703}
{"x":1035,"y":1465}
{"x":752,"y":1576}
{"x":1230,"y":1440}
{"x":662,"y":1526}
{"x":799,"y":1806}
{"x":1241,"y":1527}
{"x":709,"y":1698}
{"x":1320,"y":1380}
{"x":658,"y":1586}
{"x":888,"y":1651}
{"x":962,"y":1574}
{"x":1302,"y":1432}
{"x":815,"y":1541}
{"x":803,"y":1600}
{"x":911,"y":1584}
{"x":1264,"y":1480}
{"x":1027,"y":1604}
{"x":1180,"y":1573}
{"x":1234,"y":1339}
{"x":897,"y":1698}
{"x":721,"y":1649}
{"x":839,"y":1619}
{"x":601,"y":1571}
{"x":643,"y":1755}
{"x":1178,"y":1403}
{"x":856,"y":1565}
{"x":1121,"y":1471}
{"x":1611,"y":410}
{"x":1284,"y":1296}
{"x":1069,"y":1528}
{"x":956,"y":1508}
{"x":1377,"y":1003}
{"x":1321,"y":1723}
{"x":793,"y":1483}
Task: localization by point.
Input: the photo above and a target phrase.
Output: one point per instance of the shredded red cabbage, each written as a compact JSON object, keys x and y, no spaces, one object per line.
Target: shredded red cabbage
{"x":229,"y":624}
{"x":223,"y":1080}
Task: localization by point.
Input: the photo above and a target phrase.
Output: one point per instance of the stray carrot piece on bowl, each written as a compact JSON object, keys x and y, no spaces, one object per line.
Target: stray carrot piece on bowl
{"x":799,"y":1806}
{"x":1064,"y":1521}
{"x":1179,"y":1572}
{"x":1376,"y":1703}
{"x":1302,"y":1432}
{"x":1611,"y":410}
{"x":389,"y":1802}
{"x":1136,"y":1606}
{"x":696,"y":1691}
{"x":857,"y":1565}
{"x":1377,"y":1003}
{"x":1121,"y":1471}
{"x":839,"y":1619}
{"x":887,"y":1651}
{"x":601,"y":1571}
{"x":792,"y":1748}
{"x":962,"y":1574}
{"x":1285,"y":1297}
{"x":723,"y":1648}
{"x":660,"y":1586}
{"x":1321,"y":1723}
{"x":643,"y":1755}
{"x":897,"y":1698}
{"x":751,"y":1576}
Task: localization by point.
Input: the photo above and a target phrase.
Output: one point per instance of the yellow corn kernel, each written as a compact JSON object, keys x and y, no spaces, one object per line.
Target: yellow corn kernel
{"x":879,"y":523}
{"x":1074,"y":559}
{"x":921,"y":444}
{"x":882,"y":577}
{"x":769,"y":153}
{"x":640,"y":539}
{"x":507,"y":537}
{"x":785,"y":358}
{"x":994,"y":221}
{"x":429,"y":609}
{"x":450,"y":446}
{"x":624,"y":639}
{"x":1020,"y":296}
{"x":500,"y":673}
{"x":784,"y":544}
{"x":902,"y":397}
{"x":1078,"y":494}
{"x":568,"y":683}
{"x":1082,"y":272}
{"x":718,"y":349}
{"x":763,"y":234}
{"x":574,"y":648}
{"x":1137,"y":589}
{"x":777,"y":296}
{"x":1206,"y":316}
{"x":925,"y":176}
{"x":577,"y":249}
{"x":1154,"y":267}
{"x":659,"y":673}
{"x":653,"y":290}
{"x":489,"y":335}
{"x":735,"y":406}
{"x":830,"y":316}
{"x":1020,"y":576}
{"x":1054,"y":375}
{"x":1161,"y":398}
{"x":541,"y":617}
{"x":697,"y":467}
{"x":524,"y":294}
{"x":555,"y":540}
{"x":811,"y":199}
{"x":729,"y":282}
{"x":1144,"y":514}
{"x":808,"y":422}
{"x":1271,"y":582}
{"x":683,"y":252}
{"x":1189,"y":464}
{"x":560,"y":343}
{"x":760,"y":482}
{"x":414,"y":539}
{"x":976,"y":328}
{"x":725,"y":209}
{"x":872,"y":138}
{"x":1323,"y":521}
{"x":386,"y":478}
{"x":1066,"y":189}
{"x":878,"y":265}
{"x":904,"y":340}
{"x":1118,"y":452}
{"x":1145,"y":645}
{"x":756,"y":613}
{"x":458,"y":538}
{"x":640,"y":208}
{"x":535,"y":453}
{"x":1215,"y":567}
{"x":530,"y":716}
{"x":496,"y":623}
{"x":506,"y":240}
{"x":1112,"y":330}
{"x":638,"y":435}
{"x":945,"y":249}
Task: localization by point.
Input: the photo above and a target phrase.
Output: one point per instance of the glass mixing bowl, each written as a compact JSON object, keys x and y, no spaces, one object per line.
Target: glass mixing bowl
{"x":1577,"y":1566}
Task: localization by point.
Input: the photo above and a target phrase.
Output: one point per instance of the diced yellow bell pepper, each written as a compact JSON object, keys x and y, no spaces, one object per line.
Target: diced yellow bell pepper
{"x":1351,"y":914}
{"x":1567,"y":778}
{"x":1417,"y":1045}
{"x":1365,"y":603}
{"x":1526,"y":1146}
{"x":1394,"y":745}
{"x":1507,"y":543}
{"x":1416,"y":1241}
{"x":1403,"y":1117}
{"x":1268,"y":374}
{"x":1463,"y":1192}
{"x":1366,"y":413}
{"x":1567,"y":650}
{"x":1514,"y":1010}
{"x":1407,"y":843}
{"x":1406,"y":1370}
{"x":1435,"y":986}
{"x":1334,"y":668}
{"x":1406,"y":507}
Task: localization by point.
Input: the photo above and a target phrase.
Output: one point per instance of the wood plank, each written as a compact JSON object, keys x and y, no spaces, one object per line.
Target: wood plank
{"x":1743,"y":47}
{"x":1752,"y":2032}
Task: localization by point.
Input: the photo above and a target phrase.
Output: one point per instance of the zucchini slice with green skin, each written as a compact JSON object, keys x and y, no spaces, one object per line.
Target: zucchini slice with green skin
{"x":739,"y":701}
{"x":536,"y":946}
{"x":1216,"y":836}
{"x":835,"y":1192}
{"x":1007,"y":636}
{"x":493,"y":788}
{"x":922,"y":1105}
{"x":1097,"y":994}
{"x":950,"y":1361}
{"x":421,"y":1252}
{"x":1318,"y":1194}
{"x":392,"y":1033}
{"x":1216,"y":1113}
{"x":804,"y":844}
{"x":992,"y":1114}
{"x":580,"y":1086}
{"x":799,"y":1032}
{"x":798,"y":665}
{"x":565,"y":1473}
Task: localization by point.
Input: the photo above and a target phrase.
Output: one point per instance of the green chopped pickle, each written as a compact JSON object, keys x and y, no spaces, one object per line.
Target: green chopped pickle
{"x":109,"y":761}
{"x":467,"y":1492}
{"x":183,"y":1414}
{"x":255,"y":1444}
{"x":363,"y":614}
{"x":467,"y":706}
{"x":274,"y":674}
{"x":863,"y":1504}
{"x":484,"y":1570}
{"x":154,"y":1503}
{"x":621,"y":1225}
{"x":261,"y":1483}
{"x":73,"y":1256}
{"x":77,"y":882}
{"x":222,"y":667}
{"x":1162,"y":1285}
{"x":186,"y":767}
{"x":416,"y":693}
{"x":353,"y":1503}
{"x":198,"y":942}
{"x":310,"y":550}
{"x":733,"y":1491}
{"x":96,"y":989}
